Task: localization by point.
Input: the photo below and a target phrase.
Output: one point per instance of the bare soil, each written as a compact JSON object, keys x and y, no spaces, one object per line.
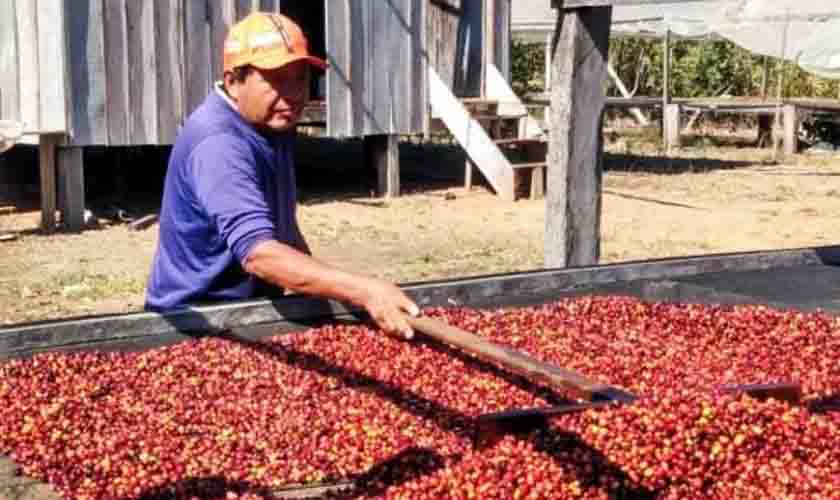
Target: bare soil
{"x":709,"y":198}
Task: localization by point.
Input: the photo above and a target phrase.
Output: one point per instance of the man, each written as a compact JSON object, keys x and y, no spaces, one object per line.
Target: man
{"x":228,"y":228}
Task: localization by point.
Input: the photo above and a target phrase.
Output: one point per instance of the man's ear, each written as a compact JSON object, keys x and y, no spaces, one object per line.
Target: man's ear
{"x":232,"y":83}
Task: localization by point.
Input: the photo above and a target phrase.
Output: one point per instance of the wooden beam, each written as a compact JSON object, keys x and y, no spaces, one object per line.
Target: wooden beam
{"x":143,"y":222}
{"x":47,"y":161}
{"x":636,"y":112}
{"x":573,"y":198}
{"x":71,"y":164}
{"x":382,"y":153}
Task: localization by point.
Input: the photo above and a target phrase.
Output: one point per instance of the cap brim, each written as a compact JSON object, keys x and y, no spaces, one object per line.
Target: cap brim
{"x":275,"y":61}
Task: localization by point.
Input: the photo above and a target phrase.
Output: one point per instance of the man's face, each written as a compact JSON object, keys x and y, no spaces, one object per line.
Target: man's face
{"x":271,"y":100}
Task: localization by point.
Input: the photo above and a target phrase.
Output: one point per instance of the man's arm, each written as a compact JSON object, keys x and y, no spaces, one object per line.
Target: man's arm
{"x":300,"y":242}
{"x":227,"y":187}
{"x":287,"y":267}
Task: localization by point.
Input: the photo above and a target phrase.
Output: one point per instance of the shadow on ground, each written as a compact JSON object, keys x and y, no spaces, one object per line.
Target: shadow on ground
{"x":132,"y":178}
{"x":661,"y":165}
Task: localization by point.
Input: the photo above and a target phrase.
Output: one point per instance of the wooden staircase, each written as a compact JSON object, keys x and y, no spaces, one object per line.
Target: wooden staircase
{"x":527,"y":156}
{"x":501,"y":140}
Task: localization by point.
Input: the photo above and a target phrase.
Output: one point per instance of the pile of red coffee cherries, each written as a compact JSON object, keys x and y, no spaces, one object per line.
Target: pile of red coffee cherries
{"x":221,"y":418}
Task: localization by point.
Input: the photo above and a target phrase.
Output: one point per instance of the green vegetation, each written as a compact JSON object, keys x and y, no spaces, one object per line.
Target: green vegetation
{"x":701,"y":68}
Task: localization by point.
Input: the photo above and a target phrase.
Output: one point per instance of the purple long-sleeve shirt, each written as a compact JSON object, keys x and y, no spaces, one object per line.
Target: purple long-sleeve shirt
{"x":228,"y":187}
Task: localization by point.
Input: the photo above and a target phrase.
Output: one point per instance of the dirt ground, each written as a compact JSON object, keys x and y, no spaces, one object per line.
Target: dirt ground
{"x":708,"y":199}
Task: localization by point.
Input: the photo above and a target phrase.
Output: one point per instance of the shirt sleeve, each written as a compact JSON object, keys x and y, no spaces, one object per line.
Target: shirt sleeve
{"x":228,"y":188}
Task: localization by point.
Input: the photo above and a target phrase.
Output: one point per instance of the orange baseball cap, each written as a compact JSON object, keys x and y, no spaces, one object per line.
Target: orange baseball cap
{"x":267,"y":41}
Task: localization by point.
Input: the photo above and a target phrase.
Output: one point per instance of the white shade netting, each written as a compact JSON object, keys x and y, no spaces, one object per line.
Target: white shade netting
{"x":806,"y":32}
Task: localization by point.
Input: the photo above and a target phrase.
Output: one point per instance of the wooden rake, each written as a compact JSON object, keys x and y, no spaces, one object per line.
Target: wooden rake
{"x":573,"y":385}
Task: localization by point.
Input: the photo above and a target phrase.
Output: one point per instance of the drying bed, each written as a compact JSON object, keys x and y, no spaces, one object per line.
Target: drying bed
{"x":345,"y":411}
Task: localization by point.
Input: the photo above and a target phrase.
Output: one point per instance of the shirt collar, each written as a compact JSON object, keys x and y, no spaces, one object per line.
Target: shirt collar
{"x":219,"y":86}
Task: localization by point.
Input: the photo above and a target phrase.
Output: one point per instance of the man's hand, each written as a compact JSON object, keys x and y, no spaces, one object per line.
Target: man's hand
{"x":388,"y":307}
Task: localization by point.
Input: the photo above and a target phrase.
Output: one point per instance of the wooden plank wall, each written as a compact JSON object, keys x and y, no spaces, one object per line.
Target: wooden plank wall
{"x":31,"y":31}
{"x":158,"y":64}
{"x":9,"y":90}
{"x":126,"y":72}
{"x":112,"y":72}
{"x":375,"y":50}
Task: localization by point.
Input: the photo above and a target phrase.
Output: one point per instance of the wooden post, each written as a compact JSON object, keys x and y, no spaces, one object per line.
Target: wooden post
{"x":548,"y":43}
{"x":791,"y":124}
{"x":666,"y":82}
{"x":71,"y":164}
{"x":779,"y":127}
{"x":382,"y":153}
{"x":537,"y":183}
{"x":671,"y":123}
{"x":47,"y":161}
{"x":573,"y":191}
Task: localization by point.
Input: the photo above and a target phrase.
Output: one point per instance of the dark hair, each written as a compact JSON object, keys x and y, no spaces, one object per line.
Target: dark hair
{"x":240,"y":73}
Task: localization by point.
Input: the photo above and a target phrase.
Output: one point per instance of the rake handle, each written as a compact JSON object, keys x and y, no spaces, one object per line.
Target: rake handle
{"x":569,"y":382}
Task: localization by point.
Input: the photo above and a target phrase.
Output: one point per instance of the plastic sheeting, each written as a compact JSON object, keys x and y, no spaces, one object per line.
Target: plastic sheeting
{"x":803,"y":31}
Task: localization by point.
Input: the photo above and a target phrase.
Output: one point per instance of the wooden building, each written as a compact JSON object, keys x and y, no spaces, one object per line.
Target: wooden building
{"x":376,"y":47}
{"x":82,"y":73}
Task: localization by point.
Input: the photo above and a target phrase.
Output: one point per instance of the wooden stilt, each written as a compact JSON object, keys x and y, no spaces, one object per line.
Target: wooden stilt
{"x":71,"y":164}
{"x":47,"y":161}
{"x":382,"y":153}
